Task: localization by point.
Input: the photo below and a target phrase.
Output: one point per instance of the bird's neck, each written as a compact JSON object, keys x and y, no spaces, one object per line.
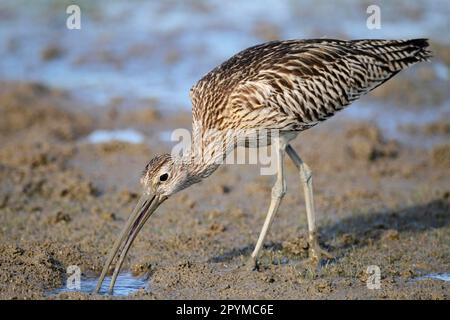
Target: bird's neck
{"x":207,"y":151}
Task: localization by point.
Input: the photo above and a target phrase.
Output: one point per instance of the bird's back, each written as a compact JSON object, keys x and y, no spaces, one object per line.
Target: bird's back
{"x":292,"y":85}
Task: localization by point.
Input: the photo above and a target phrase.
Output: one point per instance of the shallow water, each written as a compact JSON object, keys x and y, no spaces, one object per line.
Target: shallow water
{"x":122,"y":135}
{"x":160,"y":49}
{"x":437,"y":276}
{"x":391,"y":119}
{"x":126,"y":284}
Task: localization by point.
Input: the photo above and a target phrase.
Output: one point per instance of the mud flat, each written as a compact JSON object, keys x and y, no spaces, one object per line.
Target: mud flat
{"x":63,"y":200}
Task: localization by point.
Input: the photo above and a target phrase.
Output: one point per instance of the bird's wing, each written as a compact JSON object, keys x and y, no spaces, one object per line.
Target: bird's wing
{"x":292,"y":85}
{"x":302,"y":88}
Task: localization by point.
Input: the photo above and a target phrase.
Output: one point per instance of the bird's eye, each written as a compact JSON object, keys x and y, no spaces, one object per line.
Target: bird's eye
{"x":164,"y":177}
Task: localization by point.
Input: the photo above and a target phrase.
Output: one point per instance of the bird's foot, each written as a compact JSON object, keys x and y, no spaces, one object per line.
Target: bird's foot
{"x":252,"y":264}
{"x":316,"y":252}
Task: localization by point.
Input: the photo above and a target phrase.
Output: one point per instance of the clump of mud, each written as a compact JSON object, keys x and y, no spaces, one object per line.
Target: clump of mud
{"x":142,"y":112}
{"x":439,"y":127}
{"x":266,"y":31}
{"x":40,"y":192}
{"x":33,"y":109}
{"x":113,"y":148}
{"x":15,"y":262}
{"x":51,"y":52}
{"x":298,"y":247}
{"x":440,"y":155}
{"x":365,"y":142}
{"x":424,"y":90}
{"x":37,"y":154}
{"x":442,"y":52}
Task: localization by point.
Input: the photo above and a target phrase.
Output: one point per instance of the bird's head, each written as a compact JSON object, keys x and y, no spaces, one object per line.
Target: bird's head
{"x":162,"y":177}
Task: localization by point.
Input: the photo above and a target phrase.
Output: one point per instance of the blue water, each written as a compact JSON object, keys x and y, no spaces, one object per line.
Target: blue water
{"x":437,"y":276}
{"x":126,"y":284}
{"x":161,"y":48}
{"x":122,"y":135}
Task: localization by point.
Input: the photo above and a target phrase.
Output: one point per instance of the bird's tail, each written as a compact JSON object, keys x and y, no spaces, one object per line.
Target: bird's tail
{"x":397,"y":54}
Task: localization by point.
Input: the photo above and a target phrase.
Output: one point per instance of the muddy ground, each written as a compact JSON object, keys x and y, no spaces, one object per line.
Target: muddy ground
{"x":63,"y":201}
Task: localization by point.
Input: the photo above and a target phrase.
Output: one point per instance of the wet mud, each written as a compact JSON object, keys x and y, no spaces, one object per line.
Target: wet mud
{"x":63,"y":200}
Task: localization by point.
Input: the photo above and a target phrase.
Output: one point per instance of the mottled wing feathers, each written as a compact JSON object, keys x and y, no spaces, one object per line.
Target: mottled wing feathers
{"x":292,"y":85}
{"x":398,"y":54}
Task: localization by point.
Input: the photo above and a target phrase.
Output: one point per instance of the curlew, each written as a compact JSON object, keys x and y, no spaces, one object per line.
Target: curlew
{"x":283,"y":87}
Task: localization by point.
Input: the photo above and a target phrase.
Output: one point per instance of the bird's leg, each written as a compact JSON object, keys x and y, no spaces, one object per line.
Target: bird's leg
{"x":316,"y":251}
{"x":278,"y":191}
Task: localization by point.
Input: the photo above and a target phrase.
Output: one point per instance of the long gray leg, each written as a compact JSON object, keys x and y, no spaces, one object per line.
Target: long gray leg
{"x":278,"y":191}
{"x":306,"y":178}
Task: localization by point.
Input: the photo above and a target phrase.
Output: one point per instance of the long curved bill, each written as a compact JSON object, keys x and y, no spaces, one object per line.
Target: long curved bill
{"x":147,"y":204}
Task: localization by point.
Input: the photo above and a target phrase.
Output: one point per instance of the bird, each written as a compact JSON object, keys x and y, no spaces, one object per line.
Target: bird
{"x":282,"y":87}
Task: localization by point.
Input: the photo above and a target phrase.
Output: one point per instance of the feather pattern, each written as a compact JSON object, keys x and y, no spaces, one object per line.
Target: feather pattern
{"x":293,"y":85}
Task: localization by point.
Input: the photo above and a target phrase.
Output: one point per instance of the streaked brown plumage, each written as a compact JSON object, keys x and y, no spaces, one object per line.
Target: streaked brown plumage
{"x":288,"y":86}
{"x":292,"y":85}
